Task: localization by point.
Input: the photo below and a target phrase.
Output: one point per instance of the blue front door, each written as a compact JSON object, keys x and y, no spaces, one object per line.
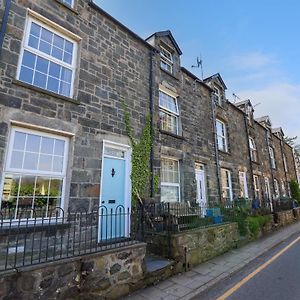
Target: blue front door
{"x":113,"y":213}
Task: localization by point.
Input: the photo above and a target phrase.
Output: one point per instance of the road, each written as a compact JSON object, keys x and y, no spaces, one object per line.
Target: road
{"x":274,"y":276}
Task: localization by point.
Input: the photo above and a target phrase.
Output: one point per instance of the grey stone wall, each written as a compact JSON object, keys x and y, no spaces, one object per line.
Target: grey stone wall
{"x":237,"y":157}
{"x":195,"y":141}
{"x":113,"y":67}
{"x":108,"y":275}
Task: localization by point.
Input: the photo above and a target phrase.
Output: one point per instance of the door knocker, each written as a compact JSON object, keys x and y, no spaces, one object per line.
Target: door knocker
{"x":113,"y":172}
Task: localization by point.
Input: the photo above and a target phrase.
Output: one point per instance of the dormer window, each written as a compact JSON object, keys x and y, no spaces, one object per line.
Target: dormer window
{"x":166,"y":60}
{"x":217,"y":96}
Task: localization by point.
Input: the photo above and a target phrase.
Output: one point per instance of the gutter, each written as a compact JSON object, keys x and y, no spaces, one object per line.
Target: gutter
{"x":151,"y":54}
{"x":4,"y":23}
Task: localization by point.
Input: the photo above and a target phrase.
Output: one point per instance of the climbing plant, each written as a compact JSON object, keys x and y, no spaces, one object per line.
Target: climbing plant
{"x":141,"y":150}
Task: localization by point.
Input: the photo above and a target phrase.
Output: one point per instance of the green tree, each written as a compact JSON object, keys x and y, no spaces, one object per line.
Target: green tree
{"x":295,"y":190}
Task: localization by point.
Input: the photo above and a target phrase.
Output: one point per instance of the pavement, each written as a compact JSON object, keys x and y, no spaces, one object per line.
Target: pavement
{"x":192,"y":283}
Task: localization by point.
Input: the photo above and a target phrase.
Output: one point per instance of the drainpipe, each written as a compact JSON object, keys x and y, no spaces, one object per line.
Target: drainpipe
{"x":151,"y":54}
{"x":4,"y":23}
{"x":249,"y":155}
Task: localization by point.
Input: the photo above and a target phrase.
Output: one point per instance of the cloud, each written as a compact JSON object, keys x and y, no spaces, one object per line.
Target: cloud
{"x":252,"y":60}
{"x":281,"y":102}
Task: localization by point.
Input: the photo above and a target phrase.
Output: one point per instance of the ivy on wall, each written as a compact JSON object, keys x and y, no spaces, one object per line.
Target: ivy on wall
{"x":141,"y":150}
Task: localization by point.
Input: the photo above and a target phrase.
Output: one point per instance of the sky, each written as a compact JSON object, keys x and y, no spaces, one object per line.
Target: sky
{"x":253,"y":44}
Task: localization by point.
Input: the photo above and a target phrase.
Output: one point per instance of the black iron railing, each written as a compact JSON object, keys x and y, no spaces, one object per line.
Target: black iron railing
{"x":32,"y":239}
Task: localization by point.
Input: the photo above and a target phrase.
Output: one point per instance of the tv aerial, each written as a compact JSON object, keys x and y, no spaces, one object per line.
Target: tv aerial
{"x":199,"y":65}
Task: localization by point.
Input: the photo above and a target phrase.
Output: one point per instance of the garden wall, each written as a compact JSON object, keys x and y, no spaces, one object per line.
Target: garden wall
{"x":108,"y":275}
{"x":193,"y":247}
{"x":284,"y":218}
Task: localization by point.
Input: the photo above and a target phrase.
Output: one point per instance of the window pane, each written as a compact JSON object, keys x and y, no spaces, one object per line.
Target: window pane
{"x":17,"y":160}
{"x":169,"y":194}
{"x":10,"y":190}
{"x":33,"y":143}
{"x":19,"y":141}
{"x":58,"y":164}
{"x":26,"y":75}
{"x":64,"y":89}
{"x":35,"y":29}
{"x":30,"y":161}
{"x":57,"y":53}
{"x":29,"y":59}
{"x":41,"y":192}
{"x":66,"y":75}
{"x":40,"y":80}
{"x":47,"y":145}
{"x":45,"y":162}
{"x":46,"y":35}
{"x":45,"y":47}
{"x":54,"y":70}
{"x":27,"y":185}
{"x":53,"y":85}
{"x":42,"y":65}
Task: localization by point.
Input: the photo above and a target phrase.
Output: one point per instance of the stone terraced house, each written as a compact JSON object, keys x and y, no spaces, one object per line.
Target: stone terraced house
{"x":67,"y":67}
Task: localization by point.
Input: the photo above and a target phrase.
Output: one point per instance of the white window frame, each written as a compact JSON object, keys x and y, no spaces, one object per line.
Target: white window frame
{"x":217,"y":95}
{"x":267,"y":188}
{"x":243,"y":184}
{"x":31,"y":19}
{"x":253,"y":150}
{"x":8,"y":169}
{"x":272,"y":157}
{"x":256,"y":184}
{"x":167,"y":60}
{"x":222,"y":135}
{"x":170,"y":112}
{"x":276,"y":189}
{"x":285,"y":163}
{"x":227,"y":173}
{"x":283,"y":188}
{"x":172,"y":184}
